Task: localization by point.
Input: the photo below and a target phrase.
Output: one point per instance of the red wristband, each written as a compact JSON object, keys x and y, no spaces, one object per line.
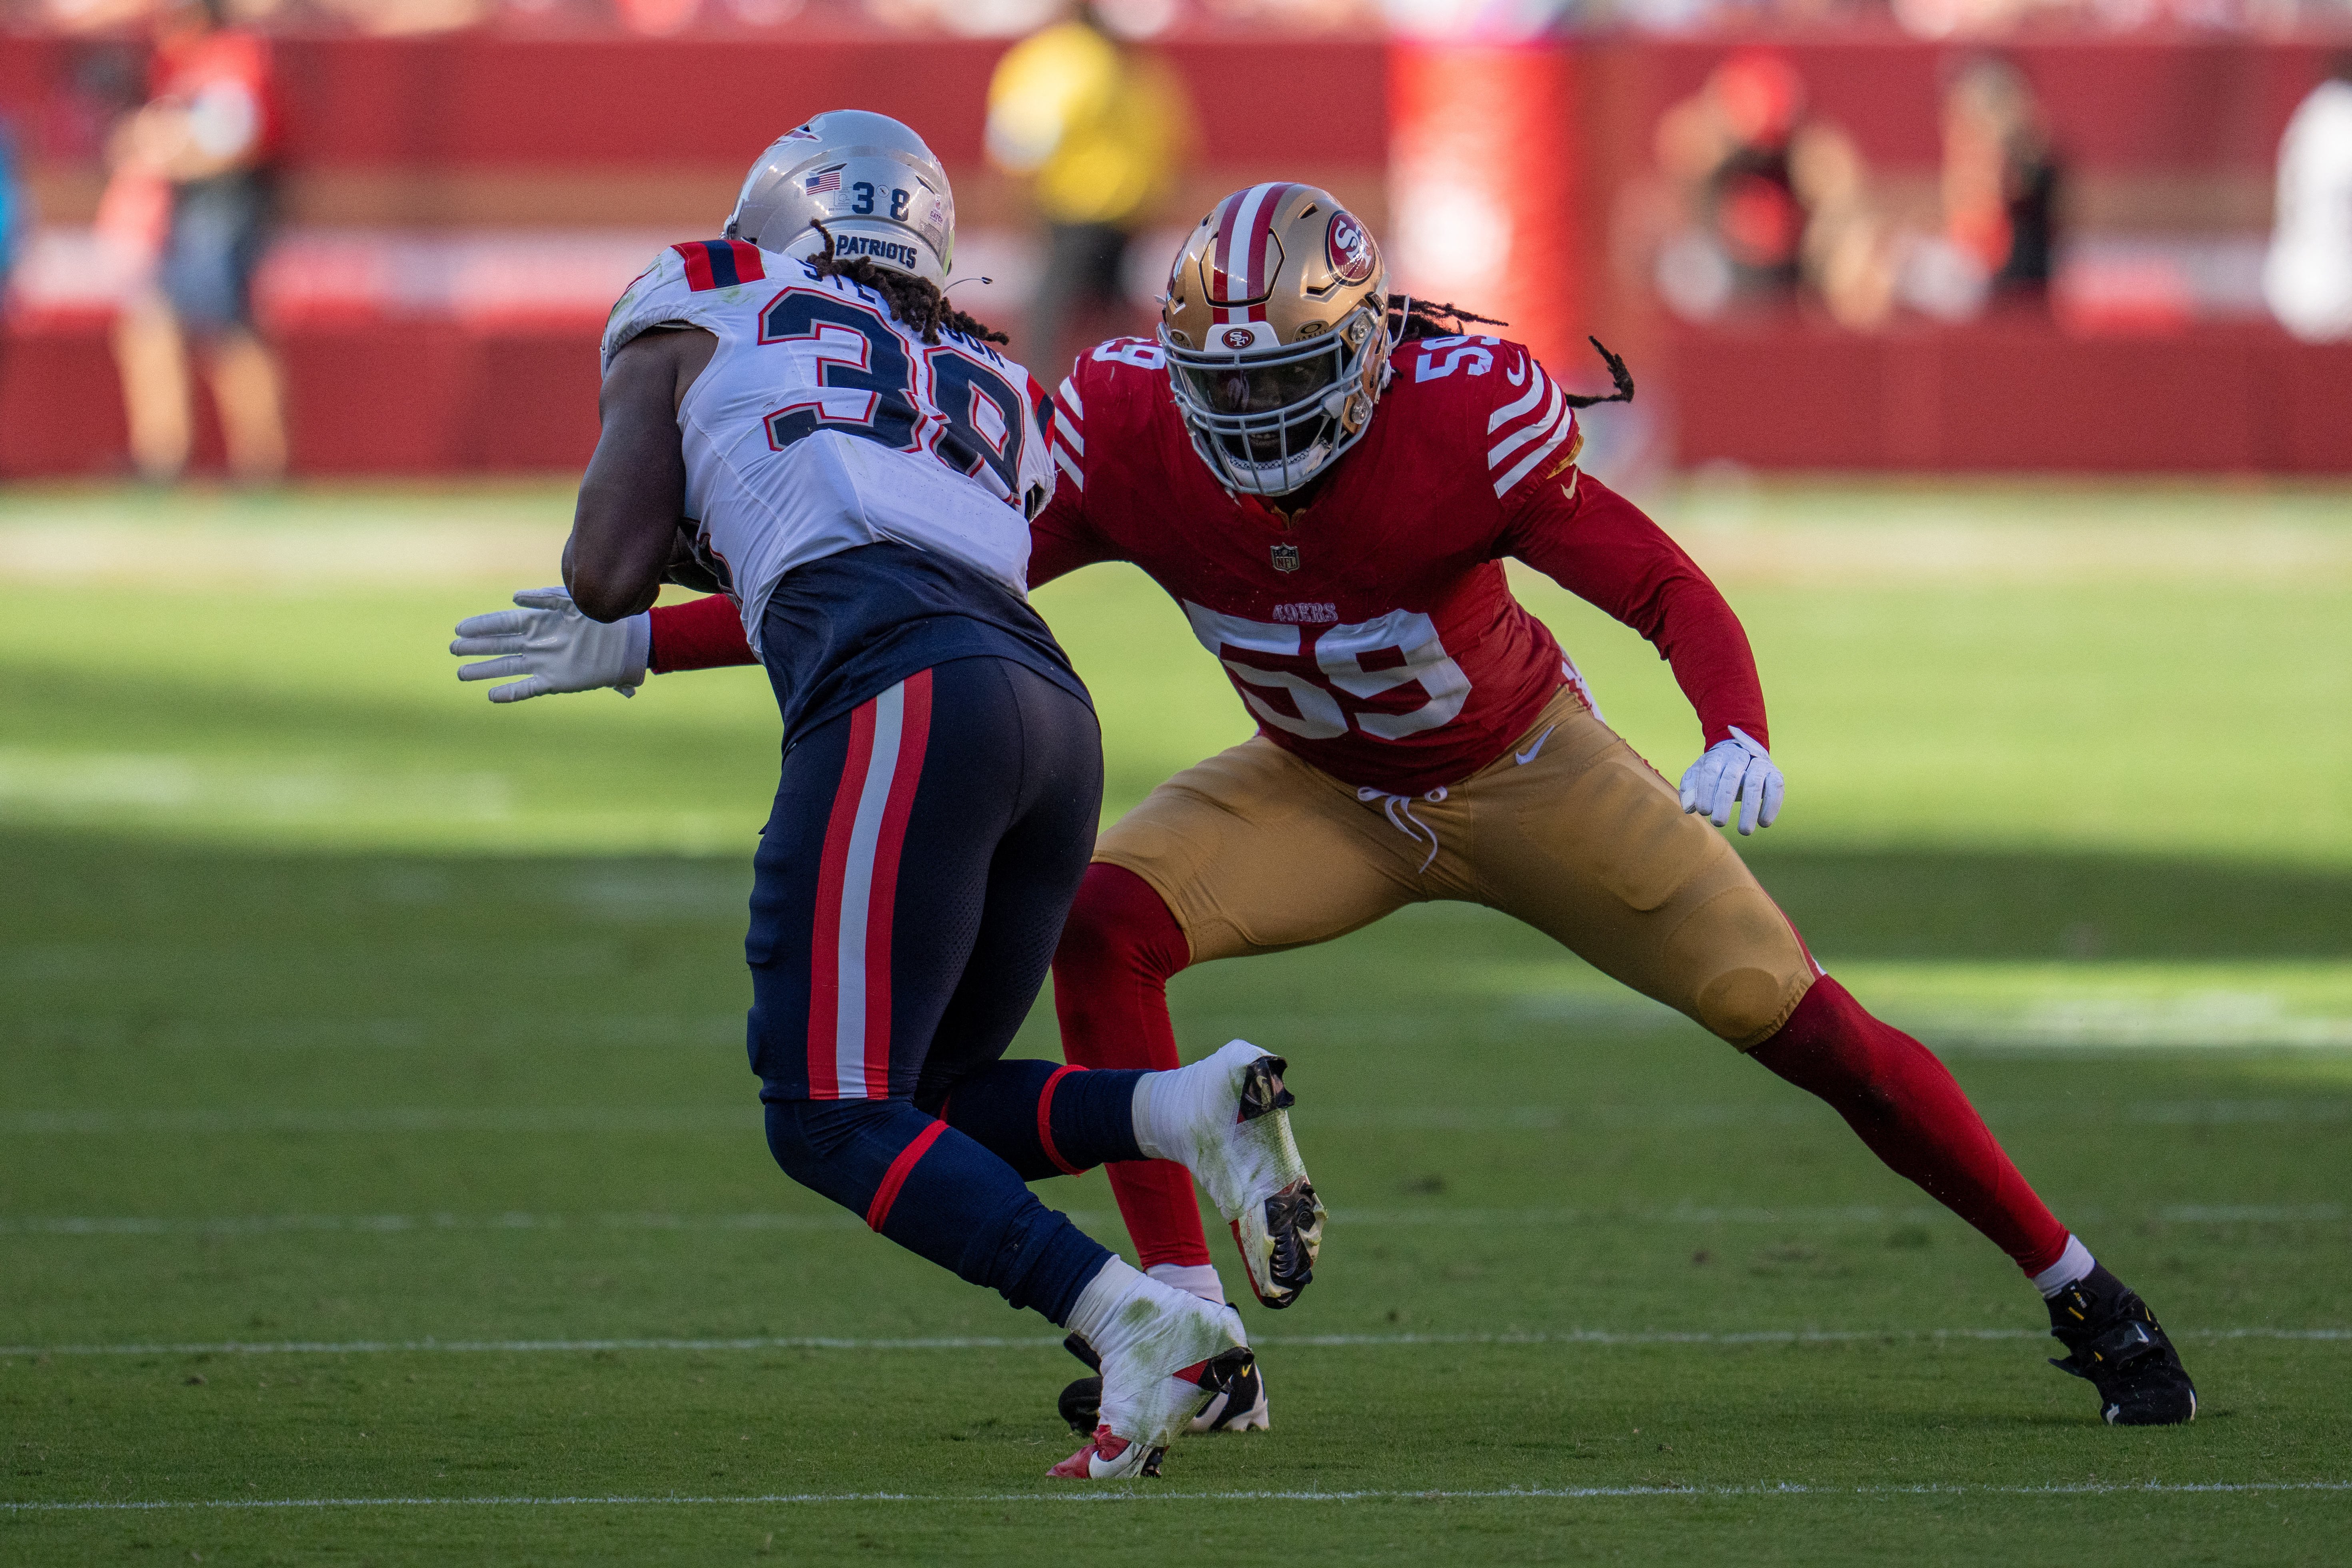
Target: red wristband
{"x":701,"y":634}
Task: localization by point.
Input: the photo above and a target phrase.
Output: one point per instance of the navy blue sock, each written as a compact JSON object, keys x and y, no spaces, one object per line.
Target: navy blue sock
{"x":1045,"y":1120}
{"x":937,"y":1193}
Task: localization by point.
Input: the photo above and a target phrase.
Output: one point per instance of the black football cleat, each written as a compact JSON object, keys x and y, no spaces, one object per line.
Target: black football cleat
{"x":1081,"y":1402}
{"x":2116,"y":1343}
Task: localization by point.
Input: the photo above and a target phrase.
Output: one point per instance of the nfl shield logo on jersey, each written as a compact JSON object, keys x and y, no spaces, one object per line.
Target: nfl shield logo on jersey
{"x":1286,"y":557}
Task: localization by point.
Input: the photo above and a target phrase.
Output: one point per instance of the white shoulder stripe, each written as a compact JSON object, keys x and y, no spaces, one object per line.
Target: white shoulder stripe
{"x":1501,"y":451}
{"x":1560,"y":432}
{"x":1068,"y":397}
{"x":1067,"y":430}
{"x":1068,"y":465}
{"x":1536,"y":386}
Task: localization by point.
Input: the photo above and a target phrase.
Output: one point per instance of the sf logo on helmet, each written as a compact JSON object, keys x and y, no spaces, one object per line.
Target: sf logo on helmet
{"x":1239,"y":337}
{"x":1349,"y":248}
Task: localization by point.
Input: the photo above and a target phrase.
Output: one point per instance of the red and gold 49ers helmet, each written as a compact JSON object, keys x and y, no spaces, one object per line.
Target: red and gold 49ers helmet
{"x":1275,"y":323}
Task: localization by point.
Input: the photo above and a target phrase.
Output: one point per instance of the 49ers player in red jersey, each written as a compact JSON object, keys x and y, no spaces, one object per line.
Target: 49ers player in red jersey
{"x":1328,"y":481}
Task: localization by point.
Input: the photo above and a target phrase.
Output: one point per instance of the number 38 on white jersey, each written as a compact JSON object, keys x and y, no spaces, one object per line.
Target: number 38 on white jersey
{"x":822,"y":423}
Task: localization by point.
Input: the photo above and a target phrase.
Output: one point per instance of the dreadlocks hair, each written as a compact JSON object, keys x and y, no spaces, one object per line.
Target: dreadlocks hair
{"x":917,"y":301}
{"x":1619,"y":377}
{"x":1410,"y":318}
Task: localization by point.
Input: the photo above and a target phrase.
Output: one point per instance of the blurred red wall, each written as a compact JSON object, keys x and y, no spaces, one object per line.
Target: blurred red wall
{"x":472,"y":130}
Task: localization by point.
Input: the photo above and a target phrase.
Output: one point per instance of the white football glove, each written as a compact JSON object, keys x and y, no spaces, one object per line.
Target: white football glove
{"x":1734,"y":770}
{"x":553,"y":647}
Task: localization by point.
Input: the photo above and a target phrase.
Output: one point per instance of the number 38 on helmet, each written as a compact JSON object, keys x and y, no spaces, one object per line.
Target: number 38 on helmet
{"x":1276,"y":326}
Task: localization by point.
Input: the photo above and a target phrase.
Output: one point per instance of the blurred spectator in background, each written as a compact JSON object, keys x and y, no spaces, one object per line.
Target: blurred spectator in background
{"x":2307,"y":277}
{"x":1102,"y":131}
{"x":2000,"y":178}
{"x":15,"y":223}
{"x":1769,"y":199}
{"x":2000,"y":192}
{"x":192,"y":178}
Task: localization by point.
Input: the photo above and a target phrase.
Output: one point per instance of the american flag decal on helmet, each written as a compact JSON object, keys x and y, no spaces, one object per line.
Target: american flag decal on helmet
{"x":828,"y":180}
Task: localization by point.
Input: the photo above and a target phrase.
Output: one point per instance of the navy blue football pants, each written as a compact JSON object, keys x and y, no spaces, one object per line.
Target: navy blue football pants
{"x":911,"y":886}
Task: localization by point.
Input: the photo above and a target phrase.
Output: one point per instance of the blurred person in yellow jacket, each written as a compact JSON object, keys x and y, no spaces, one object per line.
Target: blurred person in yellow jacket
{"x":1101,"y":130}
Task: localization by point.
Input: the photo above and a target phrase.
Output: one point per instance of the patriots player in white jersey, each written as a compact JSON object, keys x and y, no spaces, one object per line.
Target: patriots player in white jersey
{"x":858,"y":466}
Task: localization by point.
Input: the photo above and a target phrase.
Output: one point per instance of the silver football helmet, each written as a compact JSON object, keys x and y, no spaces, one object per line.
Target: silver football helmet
{"x":868,"y":178}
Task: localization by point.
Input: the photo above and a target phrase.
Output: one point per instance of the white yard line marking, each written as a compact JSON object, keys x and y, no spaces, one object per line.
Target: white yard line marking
{"x":1600,"y":1337}
{"x":1452,"y":1218}
{"x":1153,"y":1494}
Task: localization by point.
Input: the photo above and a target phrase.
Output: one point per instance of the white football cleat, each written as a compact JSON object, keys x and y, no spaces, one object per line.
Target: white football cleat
{"x":1240,"y":1407}
{"x":1226,"y":1119}
{"x":1180,"y":1352}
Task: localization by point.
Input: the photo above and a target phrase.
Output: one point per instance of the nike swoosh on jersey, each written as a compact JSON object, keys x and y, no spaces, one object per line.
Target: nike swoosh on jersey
{"x":1529,"y":754}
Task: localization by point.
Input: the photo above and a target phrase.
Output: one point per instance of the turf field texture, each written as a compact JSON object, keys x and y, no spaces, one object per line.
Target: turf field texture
{"x":379,"y":1179}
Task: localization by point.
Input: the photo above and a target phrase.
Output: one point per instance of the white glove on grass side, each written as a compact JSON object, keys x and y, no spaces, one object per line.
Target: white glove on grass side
{"x":1734,"y":770}
{"x":554,"y":647}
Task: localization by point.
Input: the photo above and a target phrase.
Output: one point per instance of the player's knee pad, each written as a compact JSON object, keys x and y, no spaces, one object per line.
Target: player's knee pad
{"x":1745,"y":970}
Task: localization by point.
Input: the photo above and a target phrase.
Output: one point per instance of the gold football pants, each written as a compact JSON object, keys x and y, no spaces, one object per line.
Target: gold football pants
{"x":1569,"y":830}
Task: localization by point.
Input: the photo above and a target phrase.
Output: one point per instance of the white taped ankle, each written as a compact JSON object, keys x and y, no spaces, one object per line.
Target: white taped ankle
{"x":1200,"y":1279}
{"x":1097,"y":1305}
{"x":2072,"y":1265}
{"x":1168,"y":1105}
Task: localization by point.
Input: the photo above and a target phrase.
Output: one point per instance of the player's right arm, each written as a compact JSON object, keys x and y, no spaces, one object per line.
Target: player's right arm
{"x":545,"y":644}
{"x":1061,"y":540}
{"x":625,"y":528}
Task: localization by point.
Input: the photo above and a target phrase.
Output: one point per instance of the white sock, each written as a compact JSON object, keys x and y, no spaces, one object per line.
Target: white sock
{"x":1114,"y":1285}
{"x":2072,"y":1265}
{"x":1200,"y":1279}
{"x":1169,"y":1105}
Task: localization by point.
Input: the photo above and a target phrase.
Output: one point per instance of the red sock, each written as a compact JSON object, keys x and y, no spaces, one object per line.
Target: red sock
{"x":1111,"y":992}
{"x":1907,"y":1106}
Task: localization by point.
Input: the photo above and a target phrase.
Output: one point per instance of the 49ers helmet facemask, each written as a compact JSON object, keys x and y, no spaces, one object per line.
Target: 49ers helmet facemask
{"x":1275,"y":325}
{"x":870,"y":181}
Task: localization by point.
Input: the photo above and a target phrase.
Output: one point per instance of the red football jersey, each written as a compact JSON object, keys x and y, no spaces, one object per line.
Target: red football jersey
{"x":1371,"y":632}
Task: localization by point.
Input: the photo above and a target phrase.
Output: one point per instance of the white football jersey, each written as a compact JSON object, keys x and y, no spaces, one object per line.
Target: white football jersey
{"x":823,"y":424}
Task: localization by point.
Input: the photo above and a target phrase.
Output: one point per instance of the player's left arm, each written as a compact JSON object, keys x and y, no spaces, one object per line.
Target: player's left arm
{"x":1603,"y":548}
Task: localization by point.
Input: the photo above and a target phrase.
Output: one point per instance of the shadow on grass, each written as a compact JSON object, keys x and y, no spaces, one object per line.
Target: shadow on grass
{"x":1920,"y":904}
{"x":2056,"y":906}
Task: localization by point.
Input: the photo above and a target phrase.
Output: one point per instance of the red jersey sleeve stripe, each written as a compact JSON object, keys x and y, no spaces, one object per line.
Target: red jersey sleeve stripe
{"x":697,"y":257}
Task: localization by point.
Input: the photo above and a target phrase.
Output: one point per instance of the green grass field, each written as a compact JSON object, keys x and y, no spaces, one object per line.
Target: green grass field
{"x":381,"y":1181}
